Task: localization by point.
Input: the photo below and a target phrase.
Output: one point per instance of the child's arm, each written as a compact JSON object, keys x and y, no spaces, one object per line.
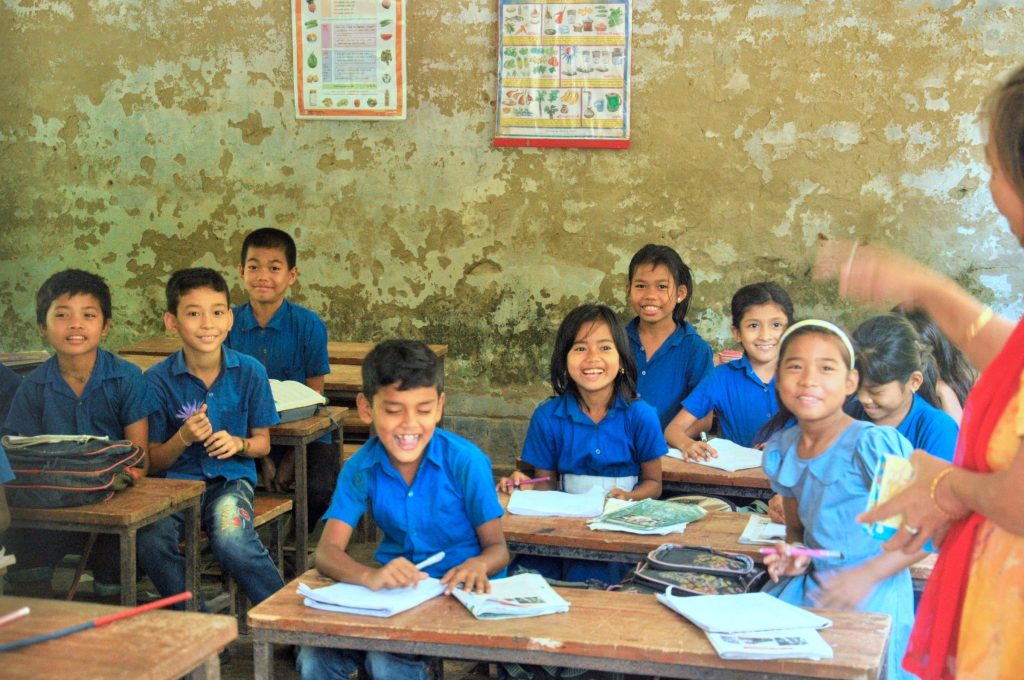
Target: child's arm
{"x":493,"y":557}
{"x":5,"y":514}
{"x":649,"y":485}
{"x":222,"y":444}
{"x":315,"y":383}
{"x":515,"y":481}
{"x":677,"y":434}
{"x":846,"y":588}
{"x":138,"y":434}
{"x":332,"y":560}
{"x":163,"y":454}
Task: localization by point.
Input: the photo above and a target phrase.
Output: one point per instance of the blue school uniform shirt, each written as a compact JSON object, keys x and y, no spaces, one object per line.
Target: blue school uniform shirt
{"x":831,"y":489}
{"x":743,"y":402}
{"x":451,"y":495}
{"x":673,"y":372}
{"x":115,"y":396}
{"x":238,"y":401}
{"x":925,"y":426}
{"x":563,"y":438}
{"x":292,"y":346}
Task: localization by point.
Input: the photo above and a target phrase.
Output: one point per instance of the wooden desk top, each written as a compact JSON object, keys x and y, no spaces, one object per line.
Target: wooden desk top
{"x":675,"y":470}
{"x":316,"y":423}
{"x":602,"y":628}
{"x":149,"y":496}
{"x":337,"y":352}
{"x":157,"y":644}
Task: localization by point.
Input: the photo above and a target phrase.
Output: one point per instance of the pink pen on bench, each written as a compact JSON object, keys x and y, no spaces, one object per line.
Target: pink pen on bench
{"x":13,"y":616}
{"x":535,"y":480}
{"x":805,"y":552}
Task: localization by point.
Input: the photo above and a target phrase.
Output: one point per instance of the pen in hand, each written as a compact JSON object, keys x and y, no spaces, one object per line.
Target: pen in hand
{"x":804,"y":552}
{"x":535,"y":480}
{"x":430,"y":561}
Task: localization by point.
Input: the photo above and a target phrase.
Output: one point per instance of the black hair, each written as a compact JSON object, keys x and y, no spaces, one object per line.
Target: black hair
{"x":653,"y":255}
{"x":72,"y":282}
{"x":783,"y":416}
{"x":952,"y":365}
{"x":407,"y":364}
{"x":625,"y":380}
{"x":269,"y":237}
{"x":762,"y":293}
{"x":888,"y":349}
{"x":186,"y":280}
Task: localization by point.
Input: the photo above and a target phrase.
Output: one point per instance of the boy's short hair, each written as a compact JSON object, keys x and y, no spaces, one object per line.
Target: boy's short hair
{"x":72,"y":282}
{"x":269,"y":237}
{"x":186,"y":280}
{"x":408,"y":364}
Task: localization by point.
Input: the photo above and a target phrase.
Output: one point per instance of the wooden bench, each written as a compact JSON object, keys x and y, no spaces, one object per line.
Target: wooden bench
{"x":356,"y":431}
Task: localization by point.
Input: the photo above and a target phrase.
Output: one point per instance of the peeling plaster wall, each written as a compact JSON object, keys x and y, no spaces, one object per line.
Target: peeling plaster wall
{"x":141,"y":138}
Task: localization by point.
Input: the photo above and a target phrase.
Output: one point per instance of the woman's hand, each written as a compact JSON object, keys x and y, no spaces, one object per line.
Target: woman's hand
{"x":922,"y":519}
{"x":869,"y":273}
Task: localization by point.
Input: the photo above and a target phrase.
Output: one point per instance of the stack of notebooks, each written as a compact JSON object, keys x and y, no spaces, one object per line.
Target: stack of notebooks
{"x":754,"y":626}
{"x":762,"y":531}
{"x":647,"y":517}
{"x":731,"y":456}
{"x":557,"y":503}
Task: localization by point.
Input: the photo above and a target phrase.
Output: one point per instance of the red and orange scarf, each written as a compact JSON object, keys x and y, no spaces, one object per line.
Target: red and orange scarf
{"x":931,"y":653}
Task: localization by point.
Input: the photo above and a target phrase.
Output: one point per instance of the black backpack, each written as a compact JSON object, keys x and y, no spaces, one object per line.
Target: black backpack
{"x":70,"y":472}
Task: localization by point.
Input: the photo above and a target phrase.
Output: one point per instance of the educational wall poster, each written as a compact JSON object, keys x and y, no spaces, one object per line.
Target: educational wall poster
{"x":349,"y":58}
{"x":563,"y":73}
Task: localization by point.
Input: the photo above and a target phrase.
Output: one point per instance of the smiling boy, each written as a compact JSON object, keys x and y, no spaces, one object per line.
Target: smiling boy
{"x":429,"y":491}
{"x":214,"y":418}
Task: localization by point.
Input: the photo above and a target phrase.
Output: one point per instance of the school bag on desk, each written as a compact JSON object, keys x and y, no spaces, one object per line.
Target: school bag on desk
{"x":63,"y":471}
{"x":697,"y":571}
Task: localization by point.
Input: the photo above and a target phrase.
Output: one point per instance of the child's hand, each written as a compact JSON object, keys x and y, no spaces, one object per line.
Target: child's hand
{"x":221,"y":445}
{"x":781,"y":563}
{"x":700,"y":451}
{"x":398,"y":573}
{"x":843,"y":589}
{"x":268,"y":471}
{"x":619,"y":493}
{"x":472,"y":574}
{"x":775,"y":509}
{"x":197,"y":428}
{"x":507,"y":484}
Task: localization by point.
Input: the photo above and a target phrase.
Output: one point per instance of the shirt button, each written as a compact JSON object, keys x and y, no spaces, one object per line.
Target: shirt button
{"x":410,"y":494}
{"x":643,"y":372}
{"x":597,"y":451}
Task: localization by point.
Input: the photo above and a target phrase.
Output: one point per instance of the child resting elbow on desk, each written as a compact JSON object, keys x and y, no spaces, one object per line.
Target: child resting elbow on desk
{"x":429,"y":491}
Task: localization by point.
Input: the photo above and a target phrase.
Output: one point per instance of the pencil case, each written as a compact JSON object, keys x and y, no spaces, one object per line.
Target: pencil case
{"x":689,"y":570}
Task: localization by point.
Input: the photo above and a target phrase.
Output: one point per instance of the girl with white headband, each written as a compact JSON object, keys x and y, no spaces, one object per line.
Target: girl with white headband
{"x":823,"y":469}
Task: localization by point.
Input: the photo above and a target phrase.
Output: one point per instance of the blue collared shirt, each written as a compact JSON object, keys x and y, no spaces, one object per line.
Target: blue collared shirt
{"x":563,"y":438}
{"x":239,"y":401}
{"x":451,"y":495}
{"x":115,"y":396}
{"x":673,"y":372}
{"x":292,"y":346}
{"x":742,"y":401}
{"x":925,"y":426}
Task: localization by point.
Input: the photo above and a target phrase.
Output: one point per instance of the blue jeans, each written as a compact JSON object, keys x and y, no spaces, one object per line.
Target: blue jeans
{"x":326,"y":663}
{"x":227,"y":517}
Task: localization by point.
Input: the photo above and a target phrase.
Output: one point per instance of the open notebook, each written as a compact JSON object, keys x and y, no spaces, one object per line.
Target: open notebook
{"x":731,"y":456}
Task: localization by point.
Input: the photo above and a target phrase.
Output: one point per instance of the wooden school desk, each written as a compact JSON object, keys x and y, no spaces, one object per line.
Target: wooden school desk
{"x":151,"y":499}
{"x":152,"y":646}
{"x":625,"y":632}
{"x":681,"y":477}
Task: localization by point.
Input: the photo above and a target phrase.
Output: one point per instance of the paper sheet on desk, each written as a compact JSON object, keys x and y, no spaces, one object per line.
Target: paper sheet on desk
{"x":731,"y":456}
{"x":762,"y":531}
{"x":349,"y":598}
{"x":743,"y":613}
{"x":557,"y":503}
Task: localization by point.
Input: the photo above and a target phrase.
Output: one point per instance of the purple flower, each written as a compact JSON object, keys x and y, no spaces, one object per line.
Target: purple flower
{"x":188,"y":410}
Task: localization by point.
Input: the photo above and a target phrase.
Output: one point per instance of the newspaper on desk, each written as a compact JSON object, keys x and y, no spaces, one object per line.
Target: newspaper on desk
{"x":514,"y":597}
{"x":349,"y":598}
{"x":731,"y":456}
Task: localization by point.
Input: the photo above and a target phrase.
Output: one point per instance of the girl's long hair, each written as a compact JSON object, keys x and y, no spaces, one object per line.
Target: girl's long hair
{"x":653,"y":255}
{"x":625,"y":379}
{"x":953,"y":366}
{"x":888,"y":349}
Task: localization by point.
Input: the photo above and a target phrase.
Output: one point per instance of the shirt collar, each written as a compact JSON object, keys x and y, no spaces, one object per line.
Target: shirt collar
{"x":681,"y":331}
{"x":104,"y":368}
{"x":570,"y":409}
{"x":245,"y":319}
{"x":228,"y":359}
{"x":378,"y":455}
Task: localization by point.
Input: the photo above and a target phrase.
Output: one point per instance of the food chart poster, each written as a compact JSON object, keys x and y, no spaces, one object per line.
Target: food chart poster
{"x":563,"y":74}
{"x":349,"y":59}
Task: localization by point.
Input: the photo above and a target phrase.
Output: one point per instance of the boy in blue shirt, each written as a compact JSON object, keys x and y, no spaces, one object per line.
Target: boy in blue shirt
{"x":291,"y":343}
{"x":81,"y":389}
{"x":429,"y":491}
{"x":214,"y":418}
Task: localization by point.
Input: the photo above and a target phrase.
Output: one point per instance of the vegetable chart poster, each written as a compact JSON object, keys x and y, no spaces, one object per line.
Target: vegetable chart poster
{"x":563,"y":73}
{"x":349,"y":59}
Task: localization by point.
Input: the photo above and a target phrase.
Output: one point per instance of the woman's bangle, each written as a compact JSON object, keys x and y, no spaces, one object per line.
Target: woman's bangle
{"x":182,"y":438}
{"x":934,"y":490}
{"x":979,"y":322}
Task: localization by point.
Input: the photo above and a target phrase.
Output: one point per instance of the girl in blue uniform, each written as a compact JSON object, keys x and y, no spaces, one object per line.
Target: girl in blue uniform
{"x":823,"y":468}
{"x":670,"y":355}
{"x":897,"y":385}
{"x":741,"y":392}
{"x":594,"y":431}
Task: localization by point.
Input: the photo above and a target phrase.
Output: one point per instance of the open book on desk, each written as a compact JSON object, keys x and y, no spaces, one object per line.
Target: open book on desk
{"x":557,"y":503}
{"x":294,"y":400}
{"x":647,"y":517}
{"x":731,"y":456}
{"x":349,"y":598}
{"x":514,"y":597}
{"x":760,"y":530}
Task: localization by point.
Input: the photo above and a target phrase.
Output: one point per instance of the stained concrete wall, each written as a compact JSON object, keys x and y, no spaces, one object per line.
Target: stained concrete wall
{"x":138,"y":138}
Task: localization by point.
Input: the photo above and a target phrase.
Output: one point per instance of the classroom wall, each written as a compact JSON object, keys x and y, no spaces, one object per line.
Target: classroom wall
{"x":138,"y":138}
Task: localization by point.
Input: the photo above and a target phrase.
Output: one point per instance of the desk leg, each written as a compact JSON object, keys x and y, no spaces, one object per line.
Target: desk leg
{"x":208,"y":670}
{"x":301,"y":508}
{"x":129,"y":583}
{"x":263,"y":660}
{"x":192,"y":554}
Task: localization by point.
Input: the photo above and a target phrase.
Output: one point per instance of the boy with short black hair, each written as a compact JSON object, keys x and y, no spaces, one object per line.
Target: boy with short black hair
{"x":81,"y":389}
{"x":291,"y":343}
{"x":429,"y":491}
{"x":214,"y":418}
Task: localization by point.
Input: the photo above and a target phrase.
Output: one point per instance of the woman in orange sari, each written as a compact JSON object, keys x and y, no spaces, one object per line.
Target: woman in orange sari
{"x":971,"y":619}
